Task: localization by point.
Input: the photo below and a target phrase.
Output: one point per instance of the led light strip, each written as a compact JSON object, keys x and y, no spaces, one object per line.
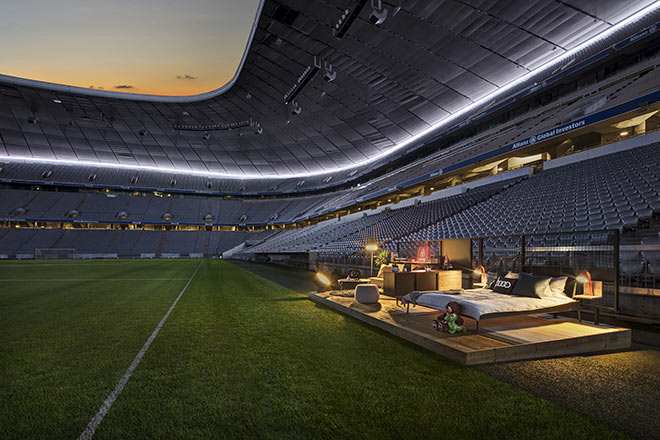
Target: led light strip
{"x":444,"y":122}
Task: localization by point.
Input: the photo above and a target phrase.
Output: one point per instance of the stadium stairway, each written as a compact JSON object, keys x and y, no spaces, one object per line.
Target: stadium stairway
{"x":58,"y":241}
{"x":161,"y":243}
{"x":111,"y":243}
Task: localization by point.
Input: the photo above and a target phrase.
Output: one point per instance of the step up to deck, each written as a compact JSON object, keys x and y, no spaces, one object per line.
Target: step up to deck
{"x":500,"y":339}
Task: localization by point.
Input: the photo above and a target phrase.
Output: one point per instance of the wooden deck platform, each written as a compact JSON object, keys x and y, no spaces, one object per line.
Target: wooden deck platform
{"x":499,"y":340}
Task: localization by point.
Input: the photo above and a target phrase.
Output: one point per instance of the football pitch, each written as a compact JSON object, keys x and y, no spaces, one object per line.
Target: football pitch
{"x":179,"y":349}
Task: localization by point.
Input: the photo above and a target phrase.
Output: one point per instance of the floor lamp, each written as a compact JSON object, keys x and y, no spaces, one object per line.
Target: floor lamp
{"x":371,"y":247}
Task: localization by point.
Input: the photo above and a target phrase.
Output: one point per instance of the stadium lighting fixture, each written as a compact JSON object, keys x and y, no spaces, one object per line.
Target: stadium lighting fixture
{"x":507,"y":88}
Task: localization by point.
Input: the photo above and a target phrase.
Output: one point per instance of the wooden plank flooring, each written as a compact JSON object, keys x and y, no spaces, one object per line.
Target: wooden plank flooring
{"x":500,"y":339}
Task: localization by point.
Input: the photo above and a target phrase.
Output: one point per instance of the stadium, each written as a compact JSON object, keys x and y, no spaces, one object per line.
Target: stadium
{"x":330,"y":219}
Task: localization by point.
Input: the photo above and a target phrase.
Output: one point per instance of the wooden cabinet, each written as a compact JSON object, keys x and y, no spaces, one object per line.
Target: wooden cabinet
{"x":399,"y":284}
{"x":426,"y":280}
{"x":449,"y":279}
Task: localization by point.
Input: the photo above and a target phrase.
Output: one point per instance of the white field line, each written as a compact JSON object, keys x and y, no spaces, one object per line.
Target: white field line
{"x":93,"y":279}
{"x":93,"y":424}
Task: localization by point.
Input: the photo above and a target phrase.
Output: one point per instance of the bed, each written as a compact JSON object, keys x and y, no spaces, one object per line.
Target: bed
{"x":480,"y":304}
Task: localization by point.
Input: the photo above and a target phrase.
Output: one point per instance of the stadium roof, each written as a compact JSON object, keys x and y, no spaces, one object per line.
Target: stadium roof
{"x":326,"y":86}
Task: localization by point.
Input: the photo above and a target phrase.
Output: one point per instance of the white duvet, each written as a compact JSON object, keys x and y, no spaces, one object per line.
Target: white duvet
{"x":479,"y":302}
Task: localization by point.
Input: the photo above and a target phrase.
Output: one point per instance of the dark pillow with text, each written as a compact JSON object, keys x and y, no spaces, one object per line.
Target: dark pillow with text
{"x":504,"y":285}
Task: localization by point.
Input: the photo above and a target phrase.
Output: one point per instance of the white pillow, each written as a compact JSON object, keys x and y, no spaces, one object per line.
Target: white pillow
{"x":556,"y":288}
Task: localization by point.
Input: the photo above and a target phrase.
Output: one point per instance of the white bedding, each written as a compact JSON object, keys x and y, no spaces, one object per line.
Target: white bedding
{"x":479,"y":302}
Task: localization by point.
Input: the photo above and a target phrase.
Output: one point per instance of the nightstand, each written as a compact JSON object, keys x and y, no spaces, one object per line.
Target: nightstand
{"x":586,"y":301}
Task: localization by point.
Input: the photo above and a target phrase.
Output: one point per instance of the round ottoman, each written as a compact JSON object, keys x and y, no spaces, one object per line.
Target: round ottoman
{"x":366,"y":293}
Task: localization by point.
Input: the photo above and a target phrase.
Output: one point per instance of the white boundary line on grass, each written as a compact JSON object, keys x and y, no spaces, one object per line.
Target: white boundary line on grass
{"x":93,"y":424}
{"x":93,"y":279}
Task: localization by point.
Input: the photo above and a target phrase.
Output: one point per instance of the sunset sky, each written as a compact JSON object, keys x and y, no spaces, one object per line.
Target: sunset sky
{"x":161,"y":47}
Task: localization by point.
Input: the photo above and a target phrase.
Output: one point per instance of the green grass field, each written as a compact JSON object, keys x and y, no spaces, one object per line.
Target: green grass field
{"x":239,"y":357}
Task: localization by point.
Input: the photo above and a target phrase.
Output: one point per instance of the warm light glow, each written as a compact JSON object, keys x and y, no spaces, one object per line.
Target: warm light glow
{"x":624,"y":133}
{"x":481,"y":271}
{"x":585,"y":278}
{"x":371,"y":247}
{"x":323,"y":279}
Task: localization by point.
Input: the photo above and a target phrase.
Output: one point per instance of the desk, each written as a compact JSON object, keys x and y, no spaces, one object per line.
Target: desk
{"x":398,"y":284}
{"x":450,"y":279}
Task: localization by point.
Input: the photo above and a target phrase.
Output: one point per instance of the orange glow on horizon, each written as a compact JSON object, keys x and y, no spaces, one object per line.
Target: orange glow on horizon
{"x":148,"y":47}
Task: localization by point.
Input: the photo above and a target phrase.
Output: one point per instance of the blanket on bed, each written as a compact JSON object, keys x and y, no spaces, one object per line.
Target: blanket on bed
{"x":479,"y":302}
{"x":411,"y":298}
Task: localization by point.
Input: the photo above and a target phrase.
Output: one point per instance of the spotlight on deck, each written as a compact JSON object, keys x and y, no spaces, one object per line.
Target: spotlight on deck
{"x":322,"y":280}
